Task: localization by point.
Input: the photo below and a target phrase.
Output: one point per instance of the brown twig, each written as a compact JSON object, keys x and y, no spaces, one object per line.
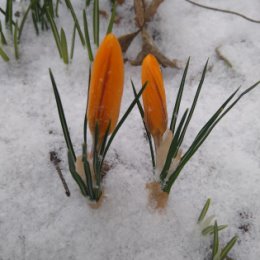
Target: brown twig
{"x":56,"y":161}
{"x":223,"y":11}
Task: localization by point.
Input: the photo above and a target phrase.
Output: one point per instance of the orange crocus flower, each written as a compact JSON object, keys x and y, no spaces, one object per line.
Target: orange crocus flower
{"x":154,"y":99}
{"x":106,"y":86}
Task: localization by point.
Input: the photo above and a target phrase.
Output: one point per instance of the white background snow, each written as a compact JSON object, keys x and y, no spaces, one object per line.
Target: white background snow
{"x":37,"y":220}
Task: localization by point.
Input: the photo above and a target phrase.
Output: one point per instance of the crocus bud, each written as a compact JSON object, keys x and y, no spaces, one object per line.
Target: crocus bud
{"x":154,"y":100}
{"x":106,"y":86}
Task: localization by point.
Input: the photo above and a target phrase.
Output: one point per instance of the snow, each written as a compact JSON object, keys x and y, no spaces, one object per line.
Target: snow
{"x":37,"y":220}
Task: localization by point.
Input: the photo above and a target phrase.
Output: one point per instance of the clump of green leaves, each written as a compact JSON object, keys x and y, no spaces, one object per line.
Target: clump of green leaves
{"x":91,"y":187}
{"x":207,"y":228}
{"x":179,"y":130}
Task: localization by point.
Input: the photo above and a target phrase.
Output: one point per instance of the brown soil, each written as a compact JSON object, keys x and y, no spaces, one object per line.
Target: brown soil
{"x":157,"y":199}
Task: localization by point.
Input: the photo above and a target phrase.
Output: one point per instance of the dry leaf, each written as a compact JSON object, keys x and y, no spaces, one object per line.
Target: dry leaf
{"x":126,"y":40}
{"x":152,"y":9}
{"x":149,"y":47}
{"x":139,"y":6}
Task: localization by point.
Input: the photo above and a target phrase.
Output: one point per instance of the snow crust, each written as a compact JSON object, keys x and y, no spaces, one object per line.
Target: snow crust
{"x":37,"y":220}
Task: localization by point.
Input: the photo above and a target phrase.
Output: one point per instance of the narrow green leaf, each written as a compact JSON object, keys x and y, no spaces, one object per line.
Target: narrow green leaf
{"x":178,"y":100}
{"x":210,"y":229}
{"x":193,"y":104}
{"x":200,"y":138}
{"x":228,"y":247}
{"x":4,"y":13}
{"x":112,"y":19}
{"x":16,"y":51}
{"x":73,"y":42}
{"x":38,"y":11}
{"x":103,"y":145}
{"x":64,"y":47}
{"x":62,"y":117}
{"x":146,"y":130}
{"x":3,"y":55}
{"x":96,"y":22}
{"x":95,"y":153}
{"x":75,"y":175}
{"x":215,"y":241}
{"x":69,"y":5}
{"x":173,"y":150}
{"x":87,"y":171}
{"x":55,"y":32}
{"x":57,"y":8}
{"x":120,"y":123}
{"x":90,"y":54}
{"x":98,"y":193}
{"x":50,"y":7}
{"x":24,"y":19}
{"x":35,"y":23}
{"x":44,"y":24}
{"x":9,"y":14}
{"x":85,"y":129}
{"x":88,"y":2}
{"x":85,"y":132}
{"x":2,"y":36}
{"x":204,"y":211}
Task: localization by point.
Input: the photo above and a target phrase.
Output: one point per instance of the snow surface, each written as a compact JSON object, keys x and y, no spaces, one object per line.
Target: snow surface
{"x":37,"y":220}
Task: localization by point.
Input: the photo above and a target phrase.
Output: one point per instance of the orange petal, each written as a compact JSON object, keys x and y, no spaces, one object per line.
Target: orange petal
{"x":154,"y":99}
{"x":106,"y":86}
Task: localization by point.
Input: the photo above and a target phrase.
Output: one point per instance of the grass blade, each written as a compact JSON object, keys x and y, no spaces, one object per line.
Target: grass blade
{"x":204,"y":210}
{"x":16,"y":51}
{"x":146,"y":130}
{"x":90,"y":54}
{"x":2,"y":36}
{"x":96,"y":22}
{"x":120,"y":123}
{"x":73,"y":42}
{"x":103,"y":145}
{"x":4,"y":13}
{"x":69,"y":5}
{"x":112,"y":19}
{"x":85,"y":132}
{"x":193,"y":104}
{"x":57,"y":8}
{"x":215,"y":241}
{"x":49,"y":5}
{"x":64,"y":47}
{"x":9,"y":14}
{"x":55,"y":32}
{"x":3,"y":55}
{"x":228,"y":247}
{"x":178,"y":100}
{"x":35,"y":23}
{"x":95,"y":153}
{"x":87,"y":172}
{"x":75,"y":175}
{"x":62,"y":117}
{"x":24,"y":19}
{"x":210,"y":229}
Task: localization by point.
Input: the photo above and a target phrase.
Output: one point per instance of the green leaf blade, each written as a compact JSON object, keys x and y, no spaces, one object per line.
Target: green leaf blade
{"x":64,"y":47}
{"x":62,"y":116}
{"x":204,"y":210}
